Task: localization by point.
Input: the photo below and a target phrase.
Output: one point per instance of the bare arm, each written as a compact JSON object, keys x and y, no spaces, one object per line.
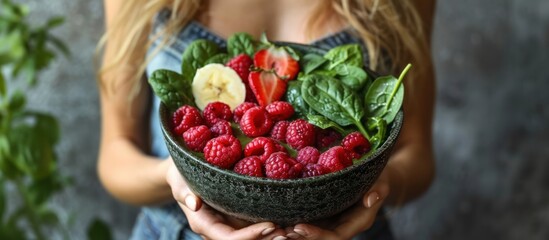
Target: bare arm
{"x":411,"y":167}
{"x":124,"y":168}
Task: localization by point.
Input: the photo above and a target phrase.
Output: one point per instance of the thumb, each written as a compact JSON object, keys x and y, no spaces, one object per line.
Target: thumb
{"x":181,"y":191}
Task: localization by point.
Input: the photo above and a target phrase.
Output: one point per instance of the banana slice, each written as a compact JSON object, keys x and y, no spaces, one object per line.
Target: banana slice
{"x":215,"y":82}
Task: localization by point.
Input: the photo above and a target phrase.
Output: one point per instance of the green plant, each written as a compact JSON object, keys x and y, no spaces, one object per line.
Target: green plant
{"x":28,"y":162}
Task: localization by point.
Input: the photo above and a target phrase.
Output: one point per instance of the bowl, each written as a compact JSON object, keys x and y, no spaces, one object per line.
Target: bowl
{"x":285,"y":202}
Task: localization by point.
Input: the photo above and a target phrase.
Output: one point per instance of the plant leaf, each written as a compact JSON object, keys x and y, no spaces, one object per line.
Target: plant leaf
{"x":239,"y":43}
{"x":378,"y":96}
{"x":173,"y":89}
{"x":324,"y":123}
{"x":293,"y":96}
{"x":352,"y":76}
{"x":2,"y":84}
{"x":221,"y":58}
{"x":311,"y":62}
{"x":332,"y":99}
{"x":195,"y":57}
{"x":349,"y":54}
{"x":99,"y":230}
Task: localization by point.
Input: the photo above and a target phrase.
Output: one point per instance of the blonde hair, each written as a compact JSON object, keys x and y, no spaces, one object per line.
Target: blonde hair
{"x":390,"y":29}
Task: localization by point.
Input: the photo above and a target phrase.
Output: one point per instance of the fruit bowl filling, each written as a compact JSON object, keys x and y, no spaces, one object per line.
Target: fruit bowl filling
{"x":271,"y":110}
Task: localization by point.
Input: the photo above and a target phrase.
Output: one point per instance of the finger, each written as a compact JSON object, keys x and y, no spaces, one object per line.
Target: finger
{"x":220,"y":230}
{"x":363,"y":215}
{"x":308,"y":231}
{"x":181,"y":191}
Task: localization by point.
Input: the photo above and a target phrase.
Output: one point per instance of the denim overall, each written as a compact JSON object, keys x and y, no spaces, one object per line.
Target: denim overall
{"x":168,"y":222}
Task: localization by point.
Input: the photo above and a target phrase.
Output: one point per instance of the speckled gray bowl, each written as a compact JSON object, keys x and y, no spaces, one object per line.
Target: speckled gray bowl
{"x":285,"y":202}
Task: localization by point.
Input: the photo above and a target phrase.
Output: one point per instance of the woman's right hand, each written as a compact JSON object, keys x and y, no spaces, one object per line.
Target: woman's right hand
{"x":208,"y":222}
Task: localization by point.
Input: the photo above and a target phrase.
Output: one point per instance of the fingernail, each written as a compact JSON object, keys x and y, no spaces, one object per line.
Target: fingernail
{"x":300,"y":232}
{"x":267,"y":231}
{"x":293,"y":235}
{"x":280,"y":238}
{"x":190,"y":202}
{"x":372,"y":199}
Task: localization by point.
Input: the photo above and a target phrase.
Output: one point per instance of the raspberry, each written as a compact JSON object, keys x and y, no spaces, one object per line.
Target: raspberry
{"x":279,"y":147}
{"x":308,"y":155}
{"x":313,"y":169}
{"x":217,"y":111}
{"x":241,"y":65}
{"x":221,"y":128}
{"x":279,"y":130}
{"x":281,"y":166}
{"x":196,"y":137}
{"x":326,"y":137}
{"x":241,"y":109}
{"x":335,"y":159}
{"x":251,"y":166}
{"x":300,"y":134}
{"x":186,"y":117}
{"x":280,"y":110}
{"x":256,"y":122}
{"x":261,"y":146}
{"x":223,"y":151}
{"x":356,"y":144}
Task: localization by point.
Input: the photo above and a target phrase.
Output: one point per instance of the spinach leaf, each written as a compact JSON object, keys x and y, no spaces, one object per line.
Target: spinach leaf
{"x":311,"y":62}
{"x":196,"y":55}
{"x":220,"y":58}
{"x":241,"y":43}
{"x":350,"y":54}
{"x":385,"y":96}
{"x":352,"y":76}
{"x":293,"y":96}
{"x":293,"y":53}
{"x":334,"y":100}
{"x":323,"y":122}
{"x":377,"y":126}
{"x":173,"y":89}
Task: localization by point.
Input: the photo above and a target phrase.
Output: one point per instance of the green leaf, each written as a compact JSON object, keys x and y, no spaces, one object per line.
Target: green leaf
{"x":349,"y":54}
{"x":2,"y":84}
{"x":324,"y":123}
{"x":12,"y":47}
{"x":385,"y":96}
{"x":47,"y":216}
{"x":99,"y":230}
{"x":220,"y":58}
{"x":334,"y":100}
{"x":311,"y":62}
{"x":293,"y":96}
{"x":239,"y":43}
{"x":46,"y":125}
{"x":196,"y":55}
{"x":293,"y":53}
{"x":17,"y":102}
{"x":377,"y":126}
{"x":173,"y":89}
{"x":57,"y":43}
{"x":353,"y":77}
{"x":54,"y":22}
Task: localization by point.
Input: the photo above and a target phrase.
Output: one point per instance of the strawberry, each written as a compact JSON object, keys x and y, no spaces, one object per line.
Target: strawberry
{"x":267,"y":87}
{"x":277,"y":60}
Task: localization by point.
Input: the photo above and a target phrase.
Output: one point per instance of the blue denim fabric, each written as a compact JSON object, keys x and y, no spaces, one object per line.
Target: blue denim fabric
{"x":168,"y":222}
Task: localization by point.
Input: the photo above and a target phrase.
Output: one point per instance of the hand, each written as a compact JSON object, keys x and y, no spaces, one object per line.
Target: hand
{"x":208,"y":222}
{"x":352,"y":221}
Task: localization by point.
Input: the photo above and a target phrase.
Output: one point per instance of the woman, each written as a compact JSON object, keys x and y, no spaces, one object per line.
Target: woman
{"x":144,"y":35}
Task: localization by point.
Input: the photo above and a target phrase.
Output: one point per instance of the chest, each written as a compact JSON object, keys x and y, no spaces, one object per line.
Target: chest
{"x":280,"y":20}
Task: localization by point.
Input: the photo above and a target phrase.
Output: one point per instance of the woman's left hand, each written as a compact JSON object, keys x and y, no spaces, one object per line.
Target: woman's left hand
{"x":352,"y":221}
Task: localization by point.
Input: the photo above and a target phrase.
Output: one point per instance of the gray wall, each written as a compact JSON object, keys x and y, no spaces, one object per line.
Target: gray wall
{"x":491,"y":131}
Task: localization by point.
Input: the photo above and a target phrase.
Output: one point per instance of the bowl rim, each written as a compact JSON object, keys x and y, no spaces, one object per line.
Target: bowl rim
{"x":396,"y":126}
